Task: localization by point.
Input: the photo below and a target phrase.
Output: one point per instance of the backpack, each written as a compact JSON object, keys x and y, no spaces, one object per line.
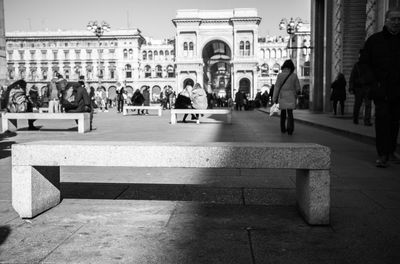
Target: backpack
{"x":17,"y":103}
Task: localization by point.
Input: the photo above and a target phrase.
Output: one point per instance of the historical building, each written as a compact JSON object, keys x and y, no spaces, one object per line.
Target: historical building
{"x":220,"y":49}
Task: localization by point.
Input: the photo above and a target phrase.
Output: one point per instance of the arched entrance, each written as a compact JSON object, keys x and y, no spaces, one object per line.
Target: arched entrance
{"x":217,"y":68}
{"x":244,"y":86}
{"x":155,"y":94}
{"x":188,"y":81}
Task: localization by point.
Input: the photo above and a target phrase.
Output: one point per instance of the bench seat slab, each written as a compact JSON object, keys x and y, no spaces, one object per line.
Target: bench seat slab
{"x":35,"y":189}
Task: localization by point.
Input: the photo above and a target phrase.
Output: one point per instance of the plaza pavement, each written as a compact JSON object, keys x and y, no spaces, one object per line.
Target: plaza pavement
{"x":127,"y":215}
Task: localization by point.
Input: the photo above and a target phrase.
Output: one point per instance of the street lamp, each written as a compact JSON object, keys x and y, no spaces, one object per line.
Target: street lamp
{"x":291,"y":26}
{"x":98,"y":29}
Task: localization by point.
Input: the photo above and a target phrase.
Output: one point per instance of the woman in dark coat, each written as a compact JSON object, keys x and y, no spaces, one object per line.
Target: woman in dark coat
{"x":183,"y":101}
{"x":137,"y":99}
{"x":146,"y":96}
{"x":338,"y":93}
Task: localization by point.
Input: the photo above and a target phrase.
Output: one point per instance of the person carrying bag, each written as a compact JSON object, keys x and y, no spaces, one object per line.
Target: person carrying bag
{"x":286,"y":87}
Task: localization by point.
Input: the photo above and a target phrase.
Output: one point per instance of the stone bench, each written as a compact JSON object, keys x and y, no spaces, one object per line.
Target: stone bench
{"x":141,"y":107}
{"x":227,"y":112}
{"x":10,"y":119}
{"x":36,"y":167}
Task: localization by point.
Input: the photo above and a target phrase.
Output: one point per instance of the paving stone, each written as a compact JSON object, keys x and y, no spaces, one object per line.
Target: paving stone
{"x":96,"y":244}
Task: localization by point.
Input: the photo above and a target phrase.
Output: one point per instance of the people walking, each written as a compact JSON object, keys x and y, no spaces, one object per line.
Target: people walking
{"x":338,"y":93}
{"x":381,"y":54}
{"x":239,"y":100}
{"x":120,"y":91}
{"x":146,"y":97}
{"x":359,"y":83}
{"x":286,"y":86}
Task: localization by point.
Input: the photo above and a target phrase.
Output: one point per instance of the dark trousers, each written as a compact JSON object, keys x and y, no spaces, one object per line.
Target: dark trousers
{"x":335,"y":102}
{"x":287,"y":124}
{"x":387,"y":116}
{"x":120,"y":105}
{"x":359,"y":100}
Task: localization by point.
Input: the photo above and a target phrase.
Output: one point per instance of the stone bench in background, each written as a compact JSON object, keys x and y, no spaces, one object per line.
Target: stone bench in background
{"x":227,"y":112}
{"x":36,"y":167}
{"x":141,"y":107}
{"x":10,"y":119}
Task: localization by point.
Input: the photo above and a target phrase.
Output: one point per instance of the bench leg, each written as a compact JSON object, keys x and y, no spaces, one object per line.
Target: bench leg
{"x":159,"y":112}
{"x":83,"y":125}
{"x":124,"y":111}
{"x":6,"y":124}
{"x":313,"y":195}
{"x":173,"y":119}
{"x":35,"y":189}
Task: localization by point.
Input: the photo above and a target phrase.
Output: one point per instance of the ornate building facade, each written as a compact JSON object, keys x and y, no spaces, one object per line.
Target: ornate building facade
{"x":220,"y":49}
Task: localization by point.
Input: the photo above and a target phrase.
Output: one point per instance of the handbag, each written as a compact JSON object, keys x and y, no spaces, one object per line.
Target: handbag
{"x":274,"y":110}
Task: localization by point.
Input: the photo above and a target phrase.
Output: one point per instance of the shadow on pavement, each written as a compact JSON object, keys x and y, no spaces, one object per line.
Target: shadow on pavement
{"x":4,"y":233}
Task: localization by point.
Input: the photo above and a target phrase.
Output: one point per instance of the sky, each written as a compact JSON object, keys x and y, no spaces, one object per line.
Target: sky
{"x":151,"y":17}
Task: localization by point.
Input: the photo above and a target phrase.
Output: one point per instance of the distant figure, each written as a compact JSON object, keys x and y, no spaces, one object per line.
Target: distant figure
{"x":338,"y":93}
{"x":53,"y":96}
{"x":183,"y":101}
{"x":239,"y":100}
{"x":359,"y":84}
{"x":137,"y":99}
{"x":264,"y":99}
{"x":286,"y":86}
{"x":146,"y":102}
{"x":271,"y":94}
{"x":120,"y":97}
{"x":199,"y":98}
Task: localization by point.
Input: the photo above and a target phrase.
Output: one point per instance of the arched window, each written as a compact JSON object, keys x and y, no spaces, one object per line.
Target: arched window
{"x":191,"y":48}
{"x":150,"y":55}
{"x":144,"y":55}
{"x":263,"y":54}
{"x":247,"y":53}
{"x":147,"y":71}
{"x":273,"y":53}
{"x":155,"y":55}
{"x":125,"y":53}
{"x":279,"y":53}
{"x":158,"y":71}
{"x":276,"y":68}
{"x":241,"y":48}
{"x":267,"y":54}
{"x":170,"y":71}
{"x":130,"y":54}
{"x":166,"y":53}
{"x":264,"y":70}
{"x":161,"y":53}
{"x":185,"y":49}
{"x":172,"y":52}
{"x":128,"y":71}
{"x":284,"y":53}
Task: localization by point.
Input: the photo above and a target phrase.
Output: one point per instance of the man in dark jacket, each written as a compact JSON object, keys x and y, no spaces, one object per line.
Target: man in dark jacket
{"x":381,"y":54}
{"x":81,"y":103}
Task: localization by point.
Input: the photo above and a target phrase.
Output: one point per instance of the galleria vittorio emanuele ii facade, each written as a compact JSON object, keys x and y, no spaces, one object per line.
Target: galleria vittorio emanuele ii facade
{"x":220,"y":49}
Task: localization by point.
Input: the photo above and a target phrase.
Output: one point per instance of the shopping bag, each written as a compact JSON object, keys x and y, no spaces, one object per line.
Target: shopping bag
{"x":274,"y":110}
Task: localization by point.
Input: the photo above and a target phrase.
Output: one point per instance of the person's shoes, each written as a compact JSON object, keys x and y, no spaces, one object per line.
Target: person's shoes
{"x":184,"y":121}
{"x":283,"y":131}
{"x":290,"y":133}
{"x":33,"y":128}
{"x":367,"y":124}
{"x":355,"y":121}
{"x":382,"y":162}
{"x":394,"y":158}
